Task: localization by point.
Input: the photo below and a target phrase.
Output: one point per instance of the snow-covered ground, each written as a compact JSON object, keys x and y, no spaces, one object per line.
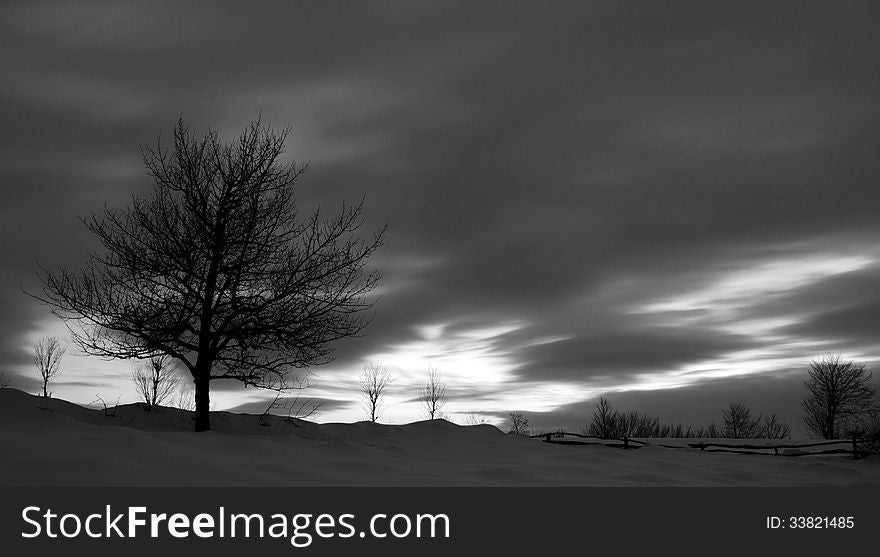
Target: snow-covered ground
{"x":57,"y":443}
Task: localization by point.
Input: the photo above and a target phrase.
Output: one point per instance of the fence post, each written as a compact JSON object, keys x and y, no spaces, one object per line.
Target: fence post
{"x":547,"y":437}
{"x":855,"y":444}
{"x":625,"y":442}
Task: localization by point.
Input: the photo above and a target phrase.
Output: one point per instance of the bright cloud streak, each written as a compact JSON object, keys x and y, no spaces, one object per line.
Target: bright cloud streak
{"x":466,"y":358}
{"x":747,"y":287}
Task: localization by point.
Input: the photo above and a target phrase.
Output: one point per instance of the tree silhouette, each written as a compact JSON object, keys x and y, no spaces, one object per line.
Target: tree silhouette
{"x":635,"y":424}
{"x":375,"y":379}
{"x":47,"y":357}
{"x":156,"y":380}
{"x":771,"y":428}
{"x":217,"y":269}
{"x":519,"y":424}
{"x":433,"y":396}
{"x":739,"y":423}
{"x":839,"y":395}
{"x":603,"y":422}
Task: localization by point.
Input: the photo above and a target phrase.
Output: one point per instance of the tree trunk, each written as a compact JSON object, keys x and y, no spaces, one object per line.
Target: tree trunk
{"x":203,"y":403}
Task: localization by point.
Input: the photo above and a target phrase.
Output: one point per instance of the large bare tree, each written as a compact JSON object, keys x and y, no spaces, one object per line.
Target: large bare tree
{"x":217,"y":269}
{"x":839,"y":395}
{"x":47,"y":357}
{"x":156,"y":380}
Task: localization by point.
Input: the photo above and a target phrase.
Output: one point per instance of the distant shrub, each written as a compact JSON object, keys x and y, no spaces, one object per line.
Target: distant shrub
{"x":771,"y":428}
{"x":475,"y":419}
{"x":868,"y":431}
{"x":603,"y":422}
{"x":739,"y":423}
{"x":608,"y":423}
{"x":519,"y":424}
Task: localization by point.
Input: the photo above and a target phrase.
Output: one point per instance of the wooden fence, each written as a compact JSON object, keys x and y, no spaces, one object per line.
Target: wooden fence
{"x":783,"y":449}
{"x":559,"y":438}
{"x":788,"y":449}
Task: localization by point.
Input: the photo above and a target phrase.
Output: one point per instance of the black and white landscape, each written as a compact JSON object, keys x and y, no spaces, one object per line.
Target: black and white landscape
{"x":359,"y":244}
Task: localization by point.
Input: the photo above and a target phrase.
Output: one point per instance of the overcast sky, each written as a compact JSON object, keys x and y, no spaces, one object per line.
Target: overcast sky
{"x":673,"y":204}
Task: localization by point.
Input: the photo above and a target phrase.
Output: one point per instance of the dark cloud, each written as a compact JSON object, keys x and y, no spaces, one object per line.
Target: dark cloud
{"x":842,"y":309}
{"x":630,"y":352}
{"x":546,"y":167}
{"x":855,"y":325}
{"x":839,"y":290}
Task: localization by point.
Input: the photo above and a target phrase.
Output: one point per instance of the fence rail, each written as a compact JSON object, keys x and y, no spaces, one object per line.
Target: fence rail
{"x":558,"y":438}
{"x":750,"y":448}
{"x":788,"y":449}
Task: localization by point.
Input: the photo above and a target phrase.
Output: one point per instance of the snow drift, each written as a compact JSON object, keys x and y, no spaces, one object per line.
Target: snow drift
{"x":52,"y":442}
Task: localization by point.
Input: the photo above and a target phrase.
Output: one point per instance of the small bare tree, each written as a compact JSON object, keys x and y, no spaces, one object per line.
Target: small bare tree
{"x":47,"y":357}
{"x":739,"y":423}
{"x":635,"y":424}
{"x":374,"y":381}
{"x":476,"y":419}
{"x":839,"y":396}
{"x":603,"y":423}
{"x":156,"y":379}
{"x":184,"y":398}
{"x":433,"y":394}
{"x":771,"y":428}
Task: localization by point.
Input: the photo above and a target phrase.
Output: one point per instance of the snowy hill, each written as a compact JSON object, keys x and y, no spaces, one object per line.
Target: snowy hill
{"x":54,"y":442}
